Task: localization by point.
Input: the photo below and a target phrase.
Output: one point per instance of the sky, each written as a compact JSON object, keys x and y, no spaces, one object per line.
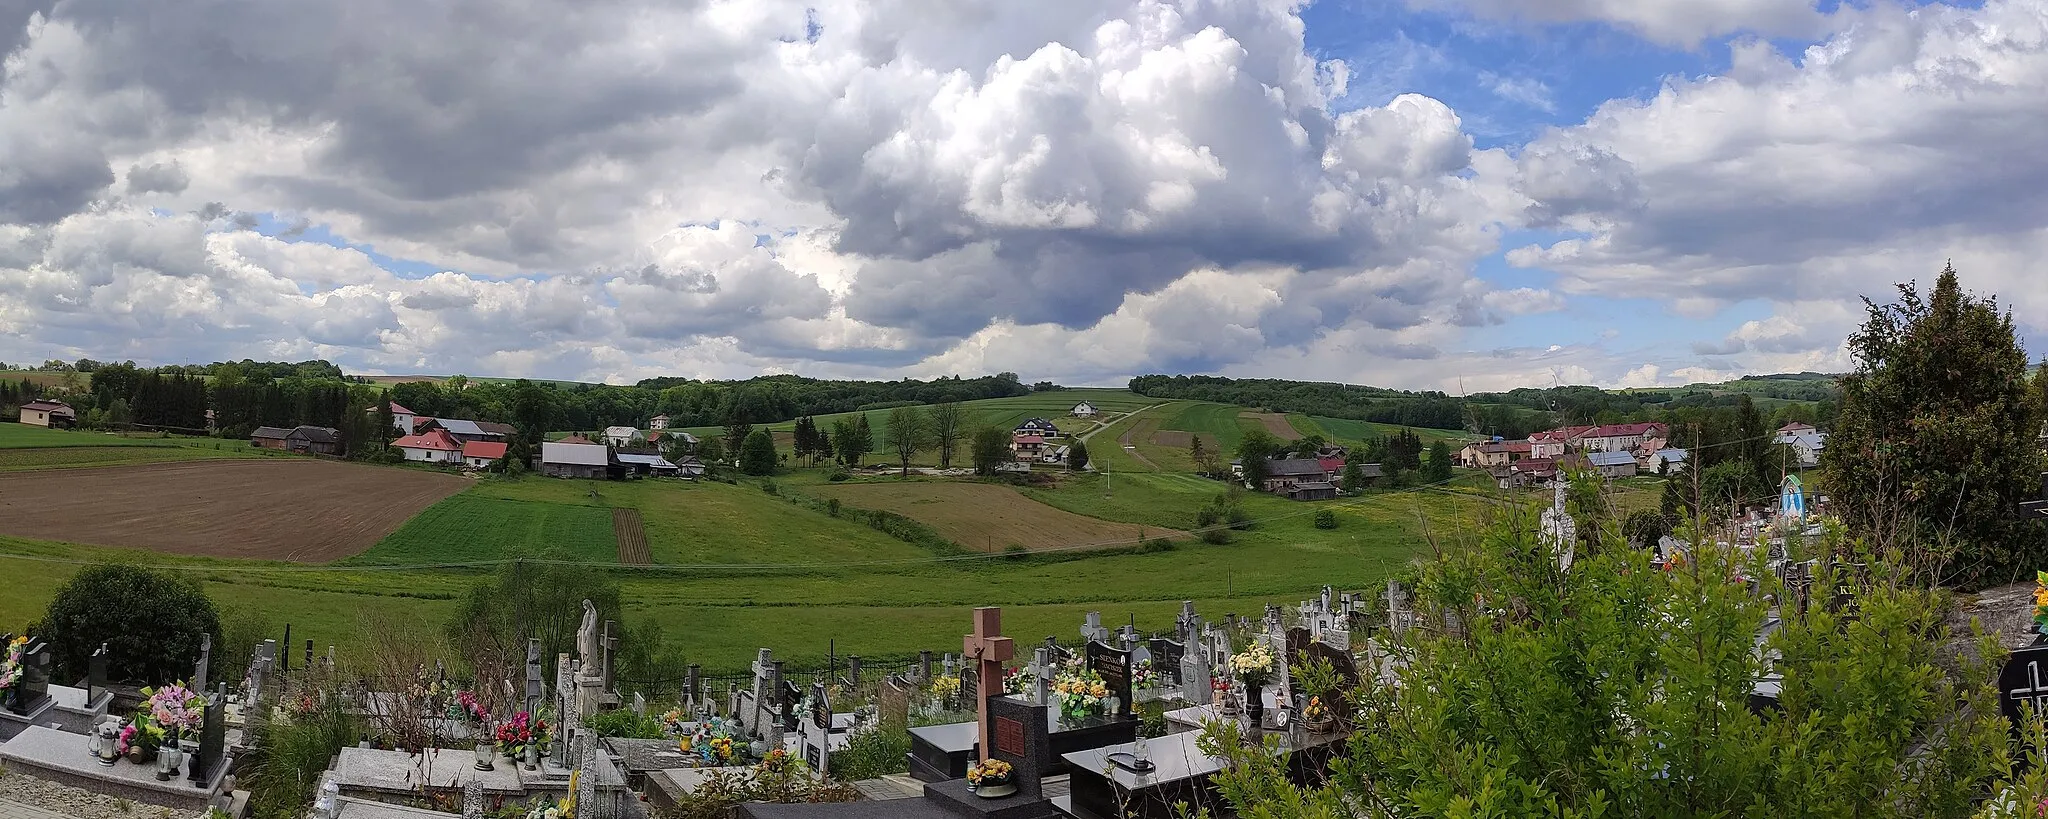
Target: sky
{"x":1457,"y":195}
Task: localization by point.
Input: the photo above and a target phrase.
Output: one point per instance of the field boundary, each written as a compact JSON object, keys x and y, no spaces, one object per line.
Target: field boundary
{"x":632,"y":536}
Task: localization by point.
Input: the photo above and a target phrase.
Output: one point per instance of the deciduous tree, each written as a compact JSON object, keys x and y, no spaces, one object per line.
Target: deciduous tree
{"x":757,"y":454}
{"x":991,"y":449}
{"x":1253,"y":450}
{"x":947,"y":418}
{"x":909,"y":431}
{"x":1077,"y":455}
{"x":151,"y":621}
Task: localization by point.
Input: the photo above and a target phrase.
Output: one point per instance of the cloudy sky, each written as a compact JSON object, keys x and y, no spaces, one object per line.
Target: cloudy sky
{"x":1436,"y":194}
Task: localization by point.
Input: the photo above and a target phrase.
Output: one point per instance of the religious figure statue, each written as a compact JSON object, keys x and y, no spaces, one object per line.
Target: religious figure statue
{"x":586,"y":641}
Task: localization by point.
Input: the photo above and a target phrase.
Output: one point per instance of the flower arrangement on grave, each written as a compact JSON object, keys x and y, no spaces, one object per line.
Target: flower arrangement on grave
{"x":470,"y":709}
{"x":2041,"y":601}
{"x":174,"y":708}
{"x":1254,"y":665}
{"x":1017,"y":680}
{"x":10,"y":668}
{"x":716,"y":741}
{"x":675,"y":723}
{"x":1082,"y":694}
{"x":990,"y":773}
{"x":1318,"y":715}
{"x":1141,"y":674}
{"x":522,"y":731}
{"x":945,"y":687}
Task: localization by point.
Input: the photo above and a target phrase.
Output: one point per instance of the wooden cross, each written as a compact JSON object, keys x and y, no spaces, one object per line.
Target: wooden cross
{"x":988,"y":645}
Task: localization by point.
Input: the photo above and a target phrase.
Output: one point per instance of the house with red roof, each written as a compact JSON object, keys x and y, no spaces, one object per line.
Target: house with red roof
{"x":431,"y":446}
{"x":481,"y":454}
{"x":402,"y":419}
{"x":1027,"y":447}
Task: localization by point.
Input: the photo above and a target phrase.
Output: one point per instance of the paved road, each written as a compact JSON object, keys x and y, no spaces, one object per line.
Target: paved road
{"x":16,"y":810}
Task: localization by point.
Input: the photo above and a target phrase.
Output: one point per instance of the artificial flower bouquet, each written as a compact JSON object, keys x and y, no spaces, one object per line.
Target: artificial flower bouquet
{"x":1081,"y":694}
{"x":990,"y":773}
{"x":1254,"y":665}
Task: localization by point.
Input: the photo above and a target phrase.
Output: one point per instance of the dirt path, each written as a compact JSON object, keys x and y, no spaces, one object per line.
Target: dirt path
{"x":632,"y":537}
{"x":1275,"y":423}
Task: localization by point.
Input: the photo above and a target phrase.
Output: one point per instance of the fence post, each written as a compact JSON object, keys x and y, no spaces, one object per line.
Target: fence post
{"x":924,"y":667}
{"x":690,"y":685}
{"x":853,"y":670}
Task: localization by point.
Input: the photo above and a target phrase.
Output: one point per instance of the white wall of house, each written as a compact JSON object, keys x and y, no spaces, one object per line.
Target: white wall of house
{"x":443,"y":456}
{"x":478,"y":463}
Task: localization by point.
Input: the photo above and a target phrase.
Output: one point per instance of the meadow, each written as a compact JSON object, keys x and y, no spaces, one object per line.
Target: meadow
{"x":738,"y":567}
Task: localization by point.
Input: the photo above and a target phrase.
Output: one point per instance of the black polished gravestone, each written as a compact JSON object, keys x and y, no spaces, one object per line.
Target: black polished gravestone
{"x":1021,"y":739}
{"x":2023,"y":682}
{"x":1166,"y":657}
{"x":942,"y":752}
{"x":212,"y":739}
{"x":1113,"y":665}
{"x":32,"y":691}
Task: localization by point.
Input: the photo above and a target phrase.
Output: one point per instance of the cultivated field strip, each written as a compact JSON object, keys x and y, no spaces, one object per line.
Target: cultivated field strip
{"x":632,"y":537}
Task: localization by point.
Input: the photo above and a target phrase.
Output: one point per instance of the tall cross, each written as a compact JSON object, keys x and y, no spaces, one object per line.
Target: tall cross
{"x":988,"y":645}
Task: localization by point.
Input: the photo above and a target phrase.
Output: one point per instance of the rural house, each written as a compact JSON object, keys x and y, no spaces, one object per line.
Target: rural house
{"x":1488,"y":454}
{"x":1805,"y":441}
{"x":1664,"y":461}
{"x":1027,"y":447}
{"x":52,"y":414}
{"x":663,"y":438}
{"x":690,"y":468}
{"x":269,"y":437}
{"x":481,"y":454}
{"x":1037,"y":426}
{"x":433,"y":446}
{"x":566,"y":460}
{"x":623,"y":436}
{"x":1620,"y":437}
{"x":462,"y":431}
{"x":1312,"y":490}
{"x":494,"y":431}
{"x":314,"y":440}
{"x":1084,"y":410}
{"x":1283,"y":474}
{"x":658,"y":422}
{"x":401,"y":418}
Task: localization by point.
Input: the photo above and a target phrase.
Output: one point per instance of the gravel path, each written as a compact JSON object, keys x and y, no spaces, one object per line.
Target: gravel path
{"x":26,"y":797}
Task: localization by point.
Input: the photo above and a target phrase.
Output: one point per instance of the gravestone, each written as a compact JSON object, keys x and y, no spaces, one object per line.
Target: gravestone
{"x":473,"y":800}
{"x":1400,"y":617}
{"x":610,"y":648}
{"x":1021,"y":738}
{"x":212,"y":739}
{"x":1092,"y":630}
{"x":96,"y":675}
{"x":1114,"y":666}
{"x":199,"y":670}
{"x":693,"y":687}
{"x":639,"y":705}
{"x":814,"y":733}
{"x":1196,"y":669}
{"x":1042,"y":671}
{"x":535,"y":689}
{"x":1167,"y":656}
{"x":989,"y":649}
{"x":2023,"y":682}
{"x":569,"y":719}
{"x":753,"y":715}
{"x":34,"y":687}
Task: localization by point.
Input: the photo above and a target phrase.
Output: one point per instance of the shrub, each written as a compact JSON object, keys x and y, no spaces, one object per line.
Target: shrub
{"x":150,"y":620}
{"x":1326,"y":519}
{"x":290,"y":754}
{"x":832,"y":507}
{"x":874,"y":751}
{"x":839,"y":476}
{"x":781,"y":780}
{"x":1217,"y":536}
{"x":770,"y":487}
{"x":757,"y":453}
{"x":622,"y":722}
{"x":1016,"y":552}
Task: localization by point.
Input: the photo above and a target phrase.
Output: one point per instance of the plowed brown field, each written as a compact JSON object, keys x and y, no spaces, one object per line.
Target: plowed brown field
{"x":988,"y":518}
{"x":299,"y":510}
{"x":1274,"y":422}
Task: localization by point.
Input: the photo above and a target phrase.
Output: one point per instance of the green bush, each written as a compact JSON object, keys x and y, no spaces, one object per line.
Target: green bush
{"x":770,"y":488}
{"x":624,"y":723}
{"x":1326,"y":519}
{"x":832,"y":507}
{"x":1016,"y":552}
{"x":290,"y":754}
{"x":873,"y":752}
{"x":151,"y":621}
{"x":838,"y":476}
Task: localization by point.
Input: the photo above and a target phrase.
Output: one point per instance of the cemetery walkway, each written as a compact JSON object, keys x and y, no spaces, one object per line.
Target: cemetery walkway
{"x":17,"y":810}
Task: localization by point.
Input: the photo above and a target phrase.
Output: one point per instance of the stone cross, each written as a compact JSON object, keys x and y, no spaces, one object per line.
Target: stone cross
{"x":639,"y":705}
{"x":205,"y":657}
{"x":473,"y":800}
{"x":1399,"y":617}
{"x":1188,"y":625}
{"x":565,"y":707}
{"x":1042,"y":670}
{"x":534,"y":686}
{"x":764,"y":690}
{"x":610,"y":646}
{"x":1092,"y":629}
{"x":989,"y":648}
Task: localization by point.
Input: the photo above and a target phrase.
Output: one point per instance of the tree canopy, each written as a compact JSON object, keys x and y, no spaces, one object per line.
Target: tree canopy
{"x":151,"y":621}
{"x":1938,"y":425}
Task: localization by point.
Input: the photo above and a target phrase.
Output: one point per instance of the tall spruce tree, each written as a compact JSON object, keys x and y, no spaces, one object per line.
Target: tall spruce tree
{"x":1939,"y":424}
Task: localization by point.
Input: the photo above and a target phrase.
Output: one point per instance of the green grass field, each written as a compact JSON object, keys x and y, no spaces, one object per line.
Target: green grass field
{"x":19,"y":436}
{"x":470,"y":526}
{"x":765,"y":572}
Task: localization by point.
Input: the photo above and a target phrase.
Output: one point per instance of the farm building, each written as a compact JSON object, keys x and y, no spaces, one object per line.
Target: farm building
{"x":1312,"y":490}
{"x":52,"y":414}
{"x":269,"y":437}
{"x":1084,"y":410}
{"x":573,"y":438}
{"x":314,"y":440}
{"x":1613,"y":464}
{"x":1664,"y":461}
{"x":690,"y":468}
{"x":638,"y":464}
{"x":401,"y":418}
{"x":495,"y":431}
{"x":1282,"y":475}
{"x":562,"y":460}
{"x":462,"y":431}
{"x":432,"y":446}
{"x":1037,"y":426}
{"x":623,"y":436}
{"x":481,"y":454}
{"x":662,"y":438}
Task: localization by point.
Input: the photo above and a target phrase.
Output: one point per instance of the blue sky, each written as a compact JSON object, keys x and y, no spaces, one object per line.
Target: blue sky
{"x":1502,"y":193}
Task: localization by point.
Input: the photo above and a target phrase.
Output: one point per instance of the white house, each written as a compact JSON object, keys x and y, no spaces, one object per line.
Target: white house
{"x":480,"y":454}
{"x":432,"y":446}
{"x":1084,"y":410}
{"x":401,"y":418}
{"x":658,"y":422}
{"x":53,"y":414}
{"x":1806,"y":446}
{"x":622,"y":436}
